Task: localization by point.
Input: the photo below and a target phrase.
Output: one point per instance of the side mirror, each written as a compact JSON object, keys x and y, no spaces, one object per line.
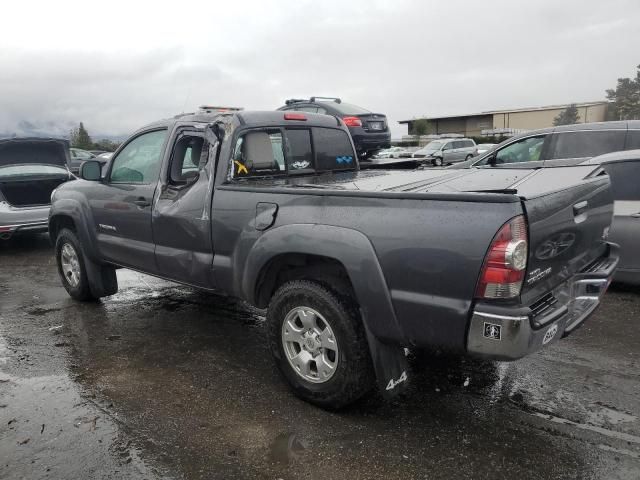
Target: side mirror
{"x":91,"y":170}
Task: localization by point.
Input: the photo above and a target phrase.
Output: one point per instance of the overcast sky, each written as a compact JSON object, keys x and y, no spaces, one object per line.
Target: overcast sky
{"x":120,"y":64}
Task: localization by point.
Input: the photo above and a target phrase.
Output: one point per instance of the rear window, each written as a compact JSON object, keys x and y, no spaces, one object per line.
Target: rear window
{"x":347,"y":108}
{"x":264,"y":153}
{"x":333,"y":149}
{"x":586,"y":144}
{"x":300,"y":155}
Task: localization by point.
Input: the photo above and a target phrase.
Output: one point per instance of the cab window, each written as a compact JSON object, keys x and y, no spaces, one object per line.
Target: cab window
{"x":525,"y":150}
{"x":333,"y":149}
{"x":259,"y":153}
{"x":187,"y":159}
{"x":139,"y":161}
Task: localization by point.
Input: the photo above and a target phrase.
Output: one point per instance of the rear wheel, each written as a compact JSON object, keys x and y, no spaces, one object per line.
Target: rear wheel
{"x":468,"y":157}
{"x":319,"y":344}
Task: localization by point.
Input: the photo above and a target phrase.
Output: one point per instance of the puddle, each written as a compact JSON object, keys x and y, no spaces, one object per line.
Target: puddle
{"x":609,"y":416}
{"x":287,"y":447}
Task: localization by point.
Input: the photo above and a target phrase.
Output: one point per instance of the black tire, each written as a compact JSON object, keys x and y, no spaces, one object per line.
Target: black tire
{"x":353,"y":376}
{"x":81,"y":291}
{"x":437,"y":162}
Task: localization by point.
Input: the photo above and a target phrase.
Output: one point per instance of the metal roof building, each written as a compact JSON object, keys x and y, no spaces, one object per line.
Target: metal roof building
{"x":508,"y":122}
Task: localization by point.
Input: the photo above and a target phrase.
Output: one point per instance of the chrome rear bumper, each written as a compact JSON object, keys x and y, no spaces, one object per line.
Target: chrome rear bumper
{"x":509,"y":337}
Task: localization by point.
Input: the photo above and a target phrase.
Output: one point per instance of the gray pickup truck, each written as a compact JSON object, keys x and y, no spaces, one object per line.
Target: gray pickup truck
{"x":354,"y":266}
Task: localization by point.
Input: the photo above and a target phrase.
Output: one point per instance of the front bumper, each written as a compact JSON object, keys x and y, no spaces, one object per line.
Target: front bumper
{"x":502,"y":336}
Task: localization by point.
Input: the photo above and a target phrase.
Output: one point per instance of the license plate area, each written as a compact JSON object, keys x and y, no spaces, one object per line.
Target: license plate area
{"x":377,"y":126}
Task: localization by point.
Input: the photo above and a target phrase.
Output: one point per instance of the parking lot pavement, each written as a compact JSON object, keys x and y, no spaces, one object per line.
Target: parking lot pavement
{"x":161,"y":381}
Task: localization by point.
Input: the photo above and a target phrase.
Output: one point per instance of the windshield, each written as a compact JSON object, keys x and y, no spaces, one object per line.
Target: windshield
{"x":433,"y":146}
{"x":347,"y":108}
{"x":31,"y":169}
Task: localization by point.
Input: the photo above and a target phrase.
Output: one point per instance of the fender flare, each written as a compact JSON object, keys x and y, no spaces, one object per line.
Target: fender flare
{"x":349,"y":247}
{"x":80,"y":213}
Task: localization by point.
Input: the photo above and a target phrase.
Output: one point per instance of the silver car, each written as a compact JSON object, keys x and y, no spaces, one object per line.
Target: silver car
{"x":30,"y":169}
{"x":447,"y":151}
{"x":624,"y":170}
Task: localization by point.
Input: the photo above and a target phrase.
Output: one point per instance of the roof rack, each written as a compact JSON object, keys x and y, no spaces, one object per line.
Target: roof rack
{"x":295,"y":100}
{"x":335,"y":99}
{"x":312,"y":99}
{"x":215,"y":109}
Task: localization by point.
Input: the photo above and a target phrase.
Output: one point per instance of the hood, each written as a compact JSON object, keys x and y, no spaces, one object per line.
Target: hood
{"x":43,"y":151}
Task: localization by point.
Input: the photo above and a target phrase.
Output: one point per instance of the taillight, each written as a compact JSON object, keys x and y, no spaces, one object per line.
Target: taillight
{"x":352,"y":121}
{"x":294,"y":116}
{"x":505,"y":264}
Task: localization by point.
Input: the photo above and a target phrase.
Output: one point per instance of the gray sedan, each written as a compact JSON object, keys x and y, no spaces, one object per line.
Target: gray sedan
{"x":30,"y":169}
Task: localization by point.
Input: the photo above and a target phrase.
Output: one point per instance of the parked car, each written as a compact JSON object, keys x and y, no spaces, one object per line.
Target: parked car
{"x":96,"y":153}
{"x":353,"y":266}
{"x":564,"y":145}
{"x":623,"y":169}
{"x":369,"y":131}
{"x":484,"y":147}
{"x":447,"y":151}
{"x":30,"y":169}
{"x":393,"y":152}
{"x":77,"y":157}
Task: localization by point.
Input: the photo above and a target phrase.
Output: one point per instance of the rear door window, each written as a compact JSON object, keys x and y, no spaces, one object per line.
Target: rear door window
{"x":586,"y":143}
{"x":333,"y":149}
{"x":633,"y":140}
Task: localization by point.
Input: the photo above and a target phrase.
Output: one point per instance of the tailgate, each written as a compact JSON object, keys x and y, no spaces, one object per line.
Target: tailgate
{"x":569,"y":212}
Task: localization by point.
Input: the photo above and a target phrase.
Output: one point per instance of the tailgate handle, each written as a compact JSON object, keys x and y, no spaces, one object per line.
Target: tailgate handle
{"x":580,"y":207}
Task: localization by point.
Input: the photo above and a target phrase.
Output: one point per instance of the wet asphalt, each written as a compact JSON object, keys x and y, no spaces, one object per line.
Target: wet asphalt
{"x":163,"y":381}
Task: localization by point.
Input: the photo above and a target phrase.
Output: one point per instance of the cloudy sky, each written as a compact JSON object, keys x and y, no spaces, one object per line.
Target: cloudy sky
{"x":120,"y":64}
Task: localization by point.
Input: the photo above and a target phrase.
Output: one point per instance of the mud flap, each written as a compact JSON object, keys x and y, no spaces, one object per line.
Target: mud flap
{"x":102,"y":279}
{"x":390,"y":366}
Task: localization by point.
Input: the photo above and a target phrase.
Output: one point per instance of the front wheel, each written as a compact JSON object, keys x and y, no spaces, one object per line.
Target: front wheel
{"x":468,"y":157}
{"x":437,"y":162}
{"x":71,"y":266}
{"x":318,"y":342}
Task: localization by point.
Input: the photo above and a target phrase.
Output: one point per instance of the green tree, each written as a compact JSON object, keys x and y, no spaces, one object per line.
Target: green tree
{"x":106,"y":145}
{"x":625,"y":99}
{"x":568,"y":116}
{"x":421,"y":127}
{"x":80,"y":138}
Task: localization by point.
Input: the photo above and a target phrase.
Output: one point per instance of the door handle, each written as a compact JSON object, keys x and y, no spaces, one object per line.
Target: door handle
{"x":142,"y":202}
{"x":580,"y":207}
{"x":636,"y":215}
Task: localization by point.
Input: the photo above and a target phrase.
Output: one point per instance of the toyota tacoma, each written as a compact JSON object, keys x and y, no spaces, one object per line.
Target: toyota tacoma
{"x":353,"y":266}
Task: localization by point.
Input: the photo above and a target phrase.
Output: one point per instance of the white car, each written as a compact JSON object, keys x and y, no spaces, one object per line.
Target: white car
{"x":485,"y":147}
{"x":393,"y":152}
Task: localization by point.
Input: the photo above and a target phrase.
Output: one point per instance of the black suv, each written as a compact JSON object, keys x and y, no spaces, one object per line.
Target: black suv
{"x":369,"y":131}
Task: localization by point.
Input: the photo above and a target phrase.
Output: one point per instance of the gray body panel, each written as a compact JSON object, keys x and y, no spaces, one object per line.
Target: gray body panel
{"x":412,"y":243}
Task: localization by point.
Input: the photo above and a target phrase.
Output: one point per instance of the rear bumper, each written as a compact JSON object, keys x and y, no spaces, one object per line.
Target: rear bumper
{"x":23,"y":220}
{"x":370,"y":141}
{"x":502,"y":334}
